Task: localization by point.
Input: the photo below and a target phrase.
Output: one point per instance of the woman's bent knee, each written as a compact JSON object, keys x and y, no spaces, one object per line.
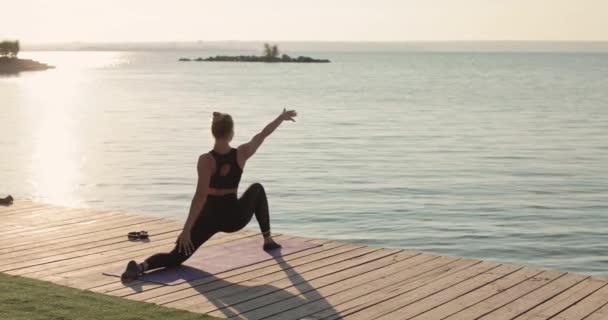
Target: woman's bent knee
{"x":258,"y":187}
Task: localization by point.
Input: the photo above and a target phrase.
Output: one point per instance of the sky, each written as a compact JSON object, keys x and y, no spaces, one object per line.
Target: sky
{"x":44,"y":21}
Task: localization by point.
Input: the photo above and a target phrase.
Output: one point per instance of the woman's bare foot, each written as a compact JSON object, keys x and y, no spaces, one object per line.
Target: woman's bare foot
{"x":132,"y":272}
{"x":270,"y":244}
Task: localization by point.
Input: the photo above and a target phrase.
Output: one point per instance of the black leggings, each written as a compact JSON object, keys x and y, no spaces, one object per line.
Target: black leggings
{"x":225,"y":213}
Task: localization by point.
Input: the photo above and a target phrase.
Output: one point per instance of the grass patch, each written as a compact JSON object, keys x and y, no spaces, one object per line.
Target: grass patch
{"x":29,"y":299}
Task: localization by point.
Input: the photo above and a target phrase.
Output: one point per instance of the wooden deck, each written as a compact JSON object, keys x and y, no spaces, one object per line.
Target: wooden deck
{"x":337,"y":280}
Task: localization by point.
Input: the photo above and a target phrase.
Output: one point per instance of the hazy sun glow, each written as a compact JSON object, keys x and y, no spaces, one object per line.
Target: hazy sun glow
{"x":54,"y":162}
{"x":51,"y":114}
{"x":350,"y":20}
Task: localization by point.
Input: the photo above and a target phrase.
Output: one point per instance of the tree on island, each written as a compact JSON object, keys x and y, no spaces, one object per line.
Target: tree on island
{"x":9,"y":49}
{"x":271,"y":52}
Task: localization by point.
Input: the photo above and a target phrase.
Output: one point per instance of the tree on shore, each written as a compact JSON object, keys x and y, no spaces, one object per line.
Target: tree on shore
{"x":9,"y":49}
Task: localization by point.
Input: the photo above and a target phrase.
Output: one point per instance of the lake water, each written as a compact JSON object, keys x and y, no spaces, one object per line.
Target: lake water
{"x":501,"y":156}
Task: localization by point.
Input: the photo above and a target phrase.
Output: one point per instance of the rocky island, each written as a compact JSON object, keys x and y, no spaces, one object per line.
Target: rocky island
{"x":10,"y":63}
{"x":271,"y":54}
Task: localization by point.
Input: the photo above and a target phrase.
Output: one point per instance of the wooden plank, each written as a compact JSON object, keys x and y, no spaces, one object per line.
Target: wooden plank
{"x":116,"y":261}
{"x":303,"y":283}
{"x":138,"y":284}
{"x":72,"y":246}
{"x":171,"y":233}
{"x":7,"y":215}
{"x":478,"y":295}
{"x":65,"y":265}
{"x":53,"y":214}
{"x":318,"y":289}
{"x":20,"y":206}
{"x":564,"y":300}
{"x":418,"y":307}
{"x":33,"y":213}
{"x":258,"y":286}
{"x":136,"y":249}
{"x":65,"y":225}
{"x":534,"y":298}
{"x":277,"y":270}
{"x":246,"y":273}
{"x":240,"y":291}
{"x":585,"y":307}
{"x":101,"y":227}
{"x":600,"y":314}
{"x":408,"y":279}
{"x":16,"y":203}
{"x":145,"y":290}
{"x":393,"y":297}
{"x":23,"y":210}
{"x":273,"y":268}
{"x":45,"y":225}
{"x":21,"y":225}
{"x":91,"y":275}
{"x":56,"y":244}
{"x":97,"y":219}
{"x":155,"y":229}
{"x":41,"y":214}
{"x":21,"y":244}
{"x":57,"y":232}
{"x":507,"y":296}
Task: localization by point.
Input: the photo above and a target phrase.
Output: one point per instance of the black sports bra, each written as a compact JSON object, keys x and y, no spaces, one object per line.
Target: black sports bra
{"x":227,"y":165}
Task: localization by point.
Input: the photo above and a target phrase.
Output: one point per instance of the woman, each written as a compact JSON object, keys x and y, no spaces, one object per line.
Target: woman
{"x":215,"y":206}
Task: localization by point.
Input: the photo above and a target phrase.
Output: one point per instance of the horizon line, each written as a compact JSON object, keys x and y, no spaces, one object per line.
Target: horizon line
{"x":301,"y":41}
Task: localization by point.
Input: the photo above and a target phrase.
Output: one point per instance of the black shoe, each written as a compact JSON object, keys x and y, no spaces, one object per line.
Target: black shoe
{"x":132,"y":272}
{"x":137,"y":235}
{"x":271,"y":246}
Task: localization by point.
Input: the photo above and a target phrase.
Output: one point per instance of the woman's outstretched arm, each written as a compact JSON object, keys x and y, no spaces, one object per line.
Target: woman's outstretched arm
{"x":203,"y":167}
{"x":246,"y":150}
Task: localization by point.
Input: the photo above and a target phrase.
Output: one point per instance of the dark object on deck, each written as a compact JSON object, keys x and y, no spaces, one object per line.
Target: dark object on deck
{"x":16,"y":65}
{"x":184,"y":59}
{"x":7,"y":201}
{"x":137,"y":235}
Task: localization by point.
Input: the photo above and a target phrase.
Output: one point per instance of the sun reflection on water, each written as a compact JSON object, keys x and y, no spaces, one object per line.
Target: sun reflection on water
{"x":78,"y":61}
{"x":53,"y":113}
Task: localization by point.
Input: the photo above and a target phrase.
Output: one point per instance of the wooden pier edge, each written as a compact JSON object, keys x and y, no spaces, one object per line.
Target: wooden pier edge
{"x":336,"y":280}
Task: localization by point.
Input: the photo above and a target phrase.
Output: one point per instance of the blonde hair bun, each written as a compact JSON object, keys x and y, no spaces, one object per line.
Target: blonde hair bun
{"x":222,"y":125}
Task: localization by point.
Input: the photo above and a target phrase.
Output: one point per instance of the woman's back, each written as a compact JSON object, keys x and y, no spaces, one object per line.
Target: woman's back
{"x":227,"y":173}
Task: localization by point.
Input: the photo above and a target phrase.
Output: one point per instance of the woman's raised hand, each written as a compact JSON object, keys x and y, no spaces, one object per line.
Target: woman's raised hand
{"x":288,"y":115}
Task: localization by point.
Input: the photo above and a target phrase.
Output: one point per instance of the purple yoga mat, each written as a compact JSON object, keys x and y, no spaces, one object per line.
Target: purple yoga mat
{"x":214,"y":259}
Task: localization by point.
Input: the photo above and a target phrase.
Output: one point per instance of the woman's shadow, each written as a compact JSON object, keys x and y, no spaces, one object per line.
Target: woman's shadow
{"x":243,"y":301}
{"x":256,"y":301}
